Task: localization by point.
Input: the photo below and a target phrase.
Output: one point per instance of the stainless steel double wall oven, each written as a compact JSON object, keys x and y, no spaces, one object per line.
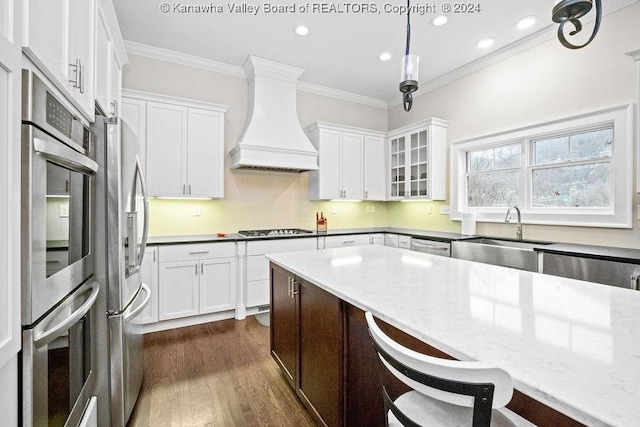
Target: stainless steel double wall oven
{"x":58,"y":287}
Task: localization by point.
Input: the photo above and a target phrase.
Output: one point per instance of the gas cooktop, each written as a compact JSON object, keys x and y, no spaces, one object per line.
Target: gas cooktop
{"x":274,"y":232}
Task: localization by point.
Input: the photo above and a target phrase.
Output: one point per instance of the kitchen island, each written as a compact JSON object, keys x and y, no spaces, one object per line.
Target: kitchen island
{"x":570,"y":345}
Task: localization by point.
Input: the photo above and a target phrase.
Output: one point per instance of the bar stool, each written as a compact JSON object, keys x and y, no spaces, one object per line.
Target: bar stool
{"x":444,"y":392}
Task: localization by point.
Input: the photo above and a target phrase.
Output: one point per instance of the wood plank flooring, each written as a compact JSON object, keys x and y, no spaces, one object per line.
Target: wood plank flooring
{"x":216,"y":374}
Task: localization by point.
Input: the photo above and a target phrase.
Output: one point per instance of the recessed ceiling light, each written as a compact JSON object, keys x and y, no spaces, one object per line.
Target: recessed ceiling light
{"x":385,"y":56}
{"x":486,"y":43}
{"x":301,"y":30}
{"x":526,"y":22}
{"x":439,"y":20}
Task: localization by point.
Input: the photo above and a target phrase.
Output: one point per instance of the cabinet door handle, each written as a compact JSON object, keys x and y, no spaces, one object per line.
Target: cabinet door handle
{"x":198,"y":252}
{"x":634,"y":282}
{"x":81,"y":77}
{"x":288,"y":286}
{"x":196,"y":269}
{"x":366,"y":194}
{"x":189,"y":189}
{"x":202,"y":268}
{"x":348,"y":241}
{"x":294,"y":292}
{"x":76,"y":70}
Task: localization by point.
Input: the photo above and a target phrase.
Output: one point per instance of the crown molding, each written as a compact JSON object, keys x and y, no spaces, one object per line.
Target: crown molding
{"x":343,"y":95}
{"x":183,"y":59}
{"x":148,"y":51}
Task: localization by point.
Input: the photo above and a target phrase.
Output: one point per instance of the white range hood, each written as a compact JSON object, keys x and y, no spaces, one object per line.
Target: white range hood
{"x":273,"y":138}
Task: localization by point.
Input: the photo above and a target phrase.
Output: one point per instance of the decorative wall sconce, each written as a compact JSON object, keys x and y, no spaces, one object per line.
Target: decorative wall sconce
{"x":570,"y":11}
{"x":409,"y":77}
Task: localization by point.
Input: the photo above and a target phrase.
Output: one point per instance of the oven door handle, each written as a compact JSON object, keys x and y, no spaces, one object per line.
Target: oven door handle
{"x":43,"y":338}
{"x":65,"y":156}
{"x":130,"y":316}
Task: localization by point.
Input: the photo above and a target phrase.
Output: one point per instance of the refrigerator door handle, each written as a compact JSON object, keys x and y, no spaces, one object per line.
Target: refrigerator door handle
{"x":145,"y":196}
{"x":130,"y":316}
{"x":45,"y":337}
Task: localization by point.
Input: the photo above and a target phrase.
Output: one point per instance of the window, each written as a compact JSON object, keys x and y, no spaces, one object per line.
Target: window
{"x":576,"y":171}
{"x":493,"y":175}
{"x":573,"y":170}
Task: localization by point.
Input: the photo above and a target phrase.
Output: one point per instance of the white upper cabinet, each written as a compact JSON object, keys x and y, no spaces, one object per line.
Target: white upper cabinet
{"x":110,"y":57}
{"x":374,"y":168}
{"x":166,"y":150}
{"x":182,"y":144}
{"x":417,"y":161}
{"x":205,"y":144}
{"x":351,"y":163}
{"x":59,"y":38}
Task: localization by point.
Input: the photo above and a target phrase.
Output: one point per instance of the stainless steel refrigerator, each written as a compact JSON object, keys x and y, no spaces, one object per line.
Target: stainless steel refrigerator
{"x":122,"y":220}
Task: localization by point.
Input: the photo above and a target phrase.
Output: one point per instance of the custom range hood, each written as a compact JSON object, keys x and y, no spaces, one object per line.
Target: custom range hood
{"x":273,"y":138}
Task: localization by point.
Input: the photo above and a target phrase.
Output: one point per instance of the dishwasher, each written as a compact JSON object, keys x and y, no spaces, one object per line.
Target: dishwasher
{"x":434,"y":247}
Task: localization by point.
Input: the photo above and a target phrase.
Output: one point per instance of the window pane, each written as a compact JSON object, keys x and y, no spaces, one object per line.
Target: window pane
{"x":498,"y":189}
{"x":592,"y":145}
{"x":507,"y":157}
{"x":552,"y":150}
{"x":480,"y":160}
{"x":504,"y":157}
{"x":573,"y":186}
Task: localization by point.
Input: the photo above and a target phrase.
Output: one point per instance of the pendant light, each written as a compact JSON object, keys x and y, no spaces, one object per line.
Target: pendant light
{"x":409,"y":77}
{"x":571,"y":11}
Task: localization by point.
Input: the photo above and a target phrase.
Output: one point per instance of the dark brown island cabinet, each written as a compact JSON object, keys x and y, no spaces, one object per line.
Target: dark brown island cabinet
{"x":322,"y":345}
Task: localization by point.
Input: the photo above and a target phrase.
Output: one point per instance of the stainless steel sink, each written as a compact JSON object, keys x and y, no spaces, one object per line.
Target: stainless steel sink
{"x":504,"y":252}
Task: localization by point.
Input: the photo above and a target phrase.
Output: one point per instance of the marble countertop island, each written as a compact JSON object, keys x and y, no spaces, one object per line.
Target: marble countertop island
{"x":572,"y":345}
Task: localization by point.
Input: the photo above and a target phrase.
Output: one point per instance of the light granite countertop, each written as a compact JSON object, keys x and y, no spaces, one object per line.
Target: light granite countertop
{"x":572,"y":345}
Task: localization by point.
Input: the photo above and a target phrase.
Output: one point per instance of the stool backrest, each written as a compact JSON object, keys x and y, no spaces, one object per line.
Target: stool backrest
{"x":464,"y":383}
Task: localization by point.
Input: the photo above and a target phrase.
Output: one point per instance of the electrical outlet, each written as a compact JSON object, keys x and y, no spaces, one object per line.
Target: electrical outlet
{"x":373,"y":209}
{"x":368,"y":209}
{"x":445,"y":210}
{"x":196,"y":211}
{"x":334,"y":209}
{"x":429,"y":210}
{"x":64,"y":210}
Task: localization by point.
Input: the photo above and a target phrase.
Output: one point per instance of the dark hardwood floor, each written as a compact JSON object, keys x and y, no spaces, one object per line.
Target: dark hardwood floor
{"x":216,"y":374}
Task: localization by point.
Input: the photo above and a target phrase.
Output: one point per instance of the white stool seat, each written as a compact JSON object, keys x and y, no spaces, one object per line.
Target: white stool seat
{"x":426,"y":411}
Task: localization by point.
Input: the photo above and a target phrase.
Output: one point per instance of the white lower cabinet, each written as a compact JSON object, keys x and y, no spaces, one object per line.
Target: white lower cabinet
{"x":196,"y":279}
{"x":391,"y":240}
{"x":404,"y":242}
{"x":257,"y":273}
{"x":376,"y":239}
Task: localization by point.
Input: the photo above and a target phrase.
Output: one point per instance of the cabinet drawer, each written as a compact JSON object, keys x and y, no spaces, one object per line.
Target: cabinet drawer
{"x":261,"y":247}
{"x":347,"y":240}
{"x":197,"y":251}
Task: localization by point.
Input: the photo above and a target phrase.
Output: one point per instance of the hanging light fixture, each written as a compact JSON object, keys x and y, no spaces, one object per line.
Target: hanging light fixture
{"x":570,"y":11}
{"x":409,"y":77}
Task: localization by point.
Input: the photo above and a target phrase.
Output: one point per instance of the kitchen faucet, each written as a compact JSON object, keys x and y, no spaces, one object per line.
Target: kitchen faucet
{"x":507,"y":218}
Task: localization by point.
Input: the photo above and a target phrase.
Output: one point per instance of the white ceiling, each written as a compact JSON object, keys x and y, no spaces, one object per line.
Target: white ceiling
{"x":341,"y":51}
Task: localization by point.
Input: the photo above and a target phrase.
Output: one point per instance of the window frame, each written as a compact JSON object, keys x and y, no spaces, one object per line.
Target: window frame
{"x":619,"y":215}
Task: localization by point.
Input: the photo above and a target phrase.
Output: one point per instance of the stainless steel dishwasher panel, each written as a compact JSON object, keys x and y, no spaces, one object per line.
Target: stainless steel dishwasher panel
{"x":433,"y":247}
{"x":614,"y":273}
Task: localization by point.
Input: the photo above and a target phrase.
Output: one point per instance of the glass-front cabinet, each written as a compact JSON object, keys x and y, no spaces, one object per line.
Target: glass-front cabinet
{"x":418,"y":161}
